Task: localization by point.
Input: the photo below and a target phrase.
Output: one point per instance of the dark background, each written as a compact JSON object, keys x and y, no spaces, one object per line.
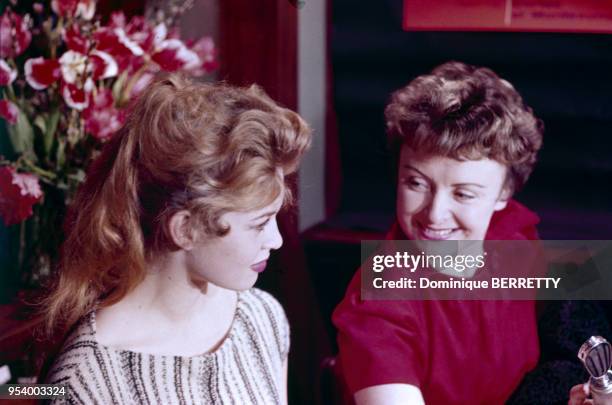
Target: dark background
{"x":565,"y":78}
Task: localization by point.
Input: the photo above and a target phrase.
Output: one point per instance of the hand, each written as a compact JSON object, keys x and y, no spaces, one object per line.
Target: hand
{"x":578,"y":395}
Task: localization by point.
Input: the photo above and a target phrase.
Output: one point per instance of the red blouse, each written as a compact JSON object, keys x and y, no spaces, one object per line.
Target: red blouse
{"x":456,"y":352}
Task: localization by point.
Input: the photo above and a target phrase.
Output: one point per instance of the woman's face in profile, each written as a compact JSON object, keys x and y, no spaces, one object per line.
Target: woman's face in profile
{"x":234,"y":261}
{"x":440,"y":198}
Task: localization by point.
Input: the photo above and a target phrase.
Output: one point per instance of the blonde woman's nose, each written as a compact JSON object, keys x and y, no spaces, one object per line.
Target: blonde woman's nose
{"x":274,"y":239}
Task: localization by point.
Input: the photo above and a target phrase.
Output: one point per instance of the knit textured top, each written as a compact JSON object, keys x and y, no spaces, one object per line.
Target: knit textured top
{"x":247,"y":368}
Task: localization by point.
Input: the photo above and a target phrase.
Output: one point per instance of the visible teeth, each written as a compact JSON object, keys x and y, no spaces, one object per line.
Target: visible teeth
{"x":438,"y":233}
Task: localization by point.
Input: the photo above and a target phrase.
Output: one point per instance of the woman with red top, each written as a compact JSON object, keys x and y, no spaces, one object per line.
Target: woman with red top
{"x":466,"y":142}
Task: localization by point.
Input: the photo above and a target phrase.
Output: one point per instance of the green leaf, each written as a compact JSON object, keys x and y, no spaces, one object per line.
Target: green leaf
{"x":22,"y":136}
{"x":52,"y":122}
{"x":61,"y":155}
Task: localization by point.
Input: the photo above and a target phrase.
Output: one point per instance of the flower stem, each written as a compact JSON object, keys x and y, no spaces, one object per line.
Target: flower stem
{"x":41,"y":172}
{"x":10,"y":92}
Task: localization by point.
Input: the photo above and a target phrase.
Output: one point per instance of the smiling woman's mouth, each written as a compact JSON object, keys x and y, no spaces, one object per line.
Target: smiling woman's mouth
{"x":427,"y":232}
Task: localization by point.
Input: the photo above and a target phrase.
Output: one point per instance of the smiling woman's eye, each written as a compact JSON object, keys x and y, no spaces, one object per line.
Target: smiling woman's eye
{"x":464,"y":196}
{"x":416,"y":184}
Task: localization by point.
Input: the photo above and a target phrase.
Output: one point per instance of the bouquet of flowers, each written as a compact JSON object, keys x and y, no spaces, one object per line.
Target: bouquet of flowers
{"x":66,"y":80}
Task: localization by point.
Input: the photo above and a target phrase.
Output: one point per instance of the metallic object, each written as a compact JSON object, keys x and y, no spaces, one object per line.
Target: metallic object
{"x":596,"y":355}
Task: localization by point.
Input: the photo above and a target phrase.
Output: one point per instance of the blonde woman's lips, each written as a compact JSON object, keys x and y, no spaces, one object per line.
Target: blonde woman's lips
{"x":259,"y":267}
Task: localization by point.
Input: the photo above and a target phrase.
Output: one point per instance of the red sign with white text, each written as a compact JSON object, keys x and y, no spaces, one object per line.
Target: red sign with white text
{"x":594,"y":16}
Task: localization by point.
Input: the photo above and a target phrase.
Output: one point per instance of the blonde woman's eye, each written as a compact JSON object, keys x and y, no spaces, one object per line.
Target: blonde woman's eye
{"x":261,"y":226}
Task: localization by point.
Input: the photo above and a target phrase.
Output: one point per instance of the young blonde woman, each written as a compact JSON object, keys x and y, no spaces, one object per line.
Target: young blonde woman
{"x":165,"y":239}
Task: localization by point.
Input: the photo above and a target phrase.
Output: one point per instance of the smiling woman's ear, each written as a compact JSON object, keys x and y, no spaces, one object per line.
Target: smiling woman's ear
{"x":180,"y":230}
{"x":502,"y":199}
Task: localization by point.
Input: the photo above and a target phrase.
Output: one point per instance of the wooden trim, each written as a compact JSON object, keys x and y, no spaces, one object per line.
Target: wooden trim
{"x":258,"y":44}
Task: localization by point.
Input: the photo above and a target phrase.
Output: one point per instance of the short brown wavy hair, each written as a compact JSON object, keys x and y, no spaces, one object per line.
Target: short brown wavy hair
{"x":466,"y":112}
{"x":206,"y":148}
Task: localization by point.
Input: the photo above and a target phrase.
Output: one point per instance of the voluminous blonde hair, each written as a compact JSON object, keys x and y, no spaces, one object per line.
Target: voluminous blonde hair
{"x":206,"y":148}
{"x":466,"y":112}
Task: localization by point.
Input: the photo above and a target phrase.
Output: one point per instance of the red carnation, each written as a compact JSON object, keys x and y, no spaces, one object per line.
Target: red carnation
{"x":116,"y":43}
{"x":174,"y":55}
{"x":103,"y":65}
{"x":40,"y":73}
{"x":77,"y":97}
{"x":18,"y":193}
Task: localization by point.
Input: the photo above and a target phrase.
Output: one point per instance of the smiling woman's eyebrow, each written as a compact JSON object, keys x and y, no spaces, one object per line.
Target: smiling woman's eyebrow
{"x":469,"y":184}
{"x":407,"y":166}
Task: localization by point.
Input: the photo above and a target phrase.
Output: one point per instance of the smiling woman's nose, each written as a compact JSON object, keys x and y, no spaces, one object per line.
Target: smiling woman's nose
{"x":437,"y":209}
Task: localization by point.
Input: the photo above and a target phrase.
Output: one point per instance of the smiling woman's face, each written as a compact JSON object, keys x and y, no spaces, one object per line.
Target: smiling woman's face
{"x":440,"y":198}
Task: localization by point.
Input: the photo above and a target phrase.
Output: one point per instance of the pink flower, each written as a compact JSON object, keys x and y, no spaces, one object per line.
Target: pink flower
{"x":75,"y":66}
{"x":116,"y":43}
{"x":63,"y":7}
{"x":102,"y":65}
{"x":205,"y":49}
{"x":9,"y":111}
{"x":38,"y":8}
{"x":40,"y":73}
{"x":72,"y":65}
{"x":77,"y":97}
{"x":126,"y":41}
{"x":174,"y":55}
{"x":7,"y":75}
{"x":102,"y":119}
{"x":18,"y":193}
{"x":141,"y":32}
{"x":74,"y":40}
{"x":15,"y":34}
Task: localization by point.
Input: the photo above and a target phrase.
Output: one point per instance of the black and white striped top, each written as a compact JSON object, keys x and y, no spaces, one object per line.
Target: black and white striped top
{"x":247,"y":368}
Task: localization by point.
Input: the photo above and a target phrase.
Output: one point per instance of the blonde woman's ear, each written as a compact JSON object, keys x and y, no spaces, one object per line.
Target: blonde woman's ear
{"x":180,"y":230}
